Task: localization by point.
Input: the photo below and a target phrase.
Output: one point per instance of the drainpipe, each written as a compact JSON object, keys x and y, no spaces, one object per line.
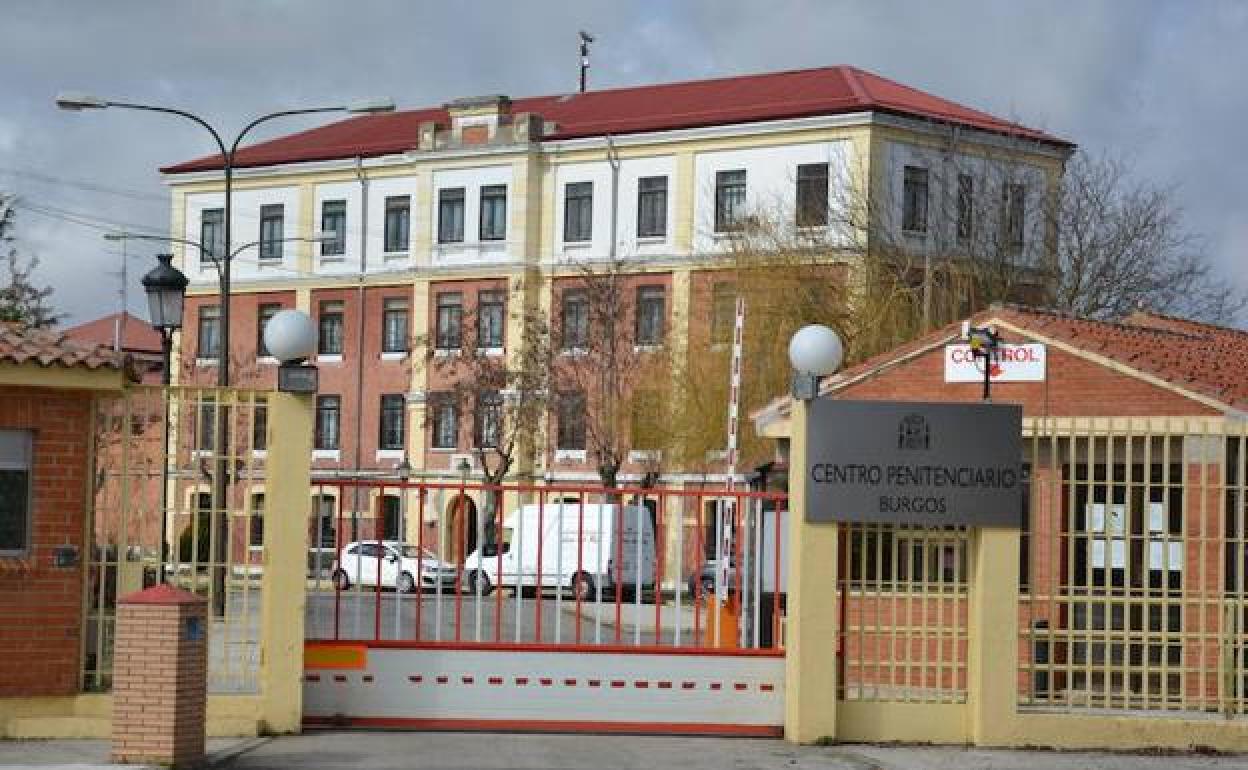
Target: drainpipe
{"x":359,"y":347}
{"x":614,"y":159}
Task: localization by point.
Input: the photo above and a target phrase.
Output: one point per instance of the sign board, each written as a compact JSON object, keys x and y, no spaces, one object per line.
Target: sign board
{"x":914,"y":463}
{"x":1013,"y":363}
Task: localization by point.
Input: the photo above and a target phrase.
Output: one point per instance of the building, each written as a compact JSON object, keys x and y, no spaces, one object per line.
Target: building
{"x":1132,"y":548}
{"x":452,"y":223}
{"x":127,"y":334}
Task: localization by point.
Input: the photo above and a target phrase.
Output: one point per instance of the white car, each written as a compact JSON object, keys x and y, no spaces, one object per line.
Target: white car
{"x":399,"y":566}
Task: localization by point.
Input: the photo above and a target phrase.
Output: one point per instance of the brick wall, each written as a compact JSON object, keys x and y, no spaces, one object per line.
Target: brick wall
{"x":41,"y":604}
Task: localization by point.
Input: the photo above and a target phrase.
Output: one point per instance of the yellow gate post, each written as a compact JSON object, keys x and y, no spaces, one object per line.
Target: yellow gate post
{"x":811,"y":613}
{"x":992,"y":686}
{"x":288,"y":481}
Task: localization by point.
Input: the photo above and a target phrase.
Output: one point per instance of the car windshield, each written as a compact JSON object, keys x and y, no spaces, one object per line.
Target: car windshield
{"x":412,"y":552}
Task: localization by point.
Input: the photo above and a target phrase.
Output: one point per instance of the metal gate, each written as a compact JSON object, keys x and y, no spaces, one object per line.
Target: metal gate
{"x":458,"y":606}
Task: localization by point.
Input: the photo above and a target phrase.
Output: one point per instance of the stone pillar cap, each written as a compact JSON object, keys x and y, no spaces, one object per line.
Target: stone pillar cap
{"x":162,"y":594}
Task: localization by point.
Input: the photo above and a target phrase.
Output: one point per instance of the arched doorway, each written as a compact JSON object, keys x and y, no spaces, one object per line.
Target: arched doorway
{"x":461,"y":528}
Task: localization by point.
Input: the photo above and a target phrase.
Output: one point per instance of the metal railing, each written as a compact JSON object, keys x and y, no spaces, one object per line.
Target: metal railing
{"x":427,"y":563}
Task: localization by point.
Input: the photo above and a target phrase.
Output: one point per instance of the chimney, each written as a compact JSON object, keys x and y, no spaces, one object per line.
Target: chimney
{"x":427,"y":135}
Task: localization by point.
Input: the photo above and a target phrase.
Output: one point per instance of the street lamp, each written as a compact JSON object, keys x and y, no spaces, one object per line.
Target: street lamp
{"x":166,"y":289}
{"x":76,"y":101}
{"x":814,"y":351}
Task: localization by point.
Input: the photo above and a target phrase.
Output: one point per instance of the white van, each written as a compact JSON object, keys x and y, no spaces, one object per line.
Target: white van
{"x":576,"y":544}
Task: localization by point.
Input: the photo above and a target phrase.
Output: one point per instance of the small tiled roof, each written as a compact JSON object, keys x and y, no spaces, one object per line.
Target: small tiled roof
{"x":1201,"y":358}
{"x":137,"y":335}
{"x":52,"y":348}
{"x":639,"y":109}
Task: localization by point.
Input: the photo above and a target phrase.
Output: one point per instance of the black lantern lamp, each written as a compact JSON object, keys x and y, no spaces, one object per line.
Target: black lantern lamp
{"x":166,"y":291}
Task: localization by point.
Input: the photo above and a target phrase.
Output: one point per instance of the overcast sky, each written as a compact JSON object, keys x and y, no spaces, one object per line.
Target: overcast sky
{"x":1163,"y":83}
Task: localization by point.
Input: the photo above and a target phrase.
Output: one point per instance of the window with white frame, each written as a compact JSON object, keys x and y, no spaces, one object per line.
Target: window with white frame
{"x":398,"y":223}
{"x":272,"y":225}
{"x":652,"y":207}
{"x":488,"y":419}
{"x":449,"y":324}
{"x":578,"y":212}
{"x":650,"y":315}
{"x":15,"y":483}
{"x":445,"y":422}
{"x":330,"y":327}
{"x":575,"y":319}
{"x":394,"y":325}
{"x":491,"y":307}
{"x":729,"y":200}
{"x":393,"y":420}
{"x":493,"y":212}
{"x":334,"y":220}
{"x":451,"y":215}
{"x":812,"y":195}
{"x":570,"y":435}
{"x":328,"y":422}
{"x":208,"y":338}
{"x":264,"y":314}
{"x":723,"y":312}
{"x":211,"y":235}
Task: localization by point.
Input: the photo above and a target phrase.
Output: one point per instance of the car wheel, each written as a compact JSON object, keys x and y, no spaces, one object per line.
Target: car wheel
{"x":479,"y":582}
{"x":406,"y":583}
{"x":341,"y":581}
{"x":582,"y":587}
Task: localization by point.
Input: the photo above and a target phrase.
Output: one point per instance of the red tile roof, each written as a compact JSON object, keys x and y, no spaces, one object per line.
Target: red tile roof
{"x":138,"y":336}
{"x":51,"y":348}
{"x":639,"y":109}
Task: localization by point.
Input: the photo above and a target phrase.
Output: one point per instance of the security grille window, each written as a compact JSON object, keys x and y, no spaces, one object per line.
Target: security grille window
{"x":211,"y":235}
{"x":575,"y":326}
{"x":812,"y":195}
{"x":652,"y":207}
{"x":390,"y":517}
{"x":272,"y":223}
{"x":394,"y":326}
{"x":15,"y":465}
{"x":255,"y":533}
{"x":329,"y":325}
{"x":445,"y":422}
{"x":398,"y":222}
{"x":392,"y":421}
{"x":489,"y":420}
{"x":449,"y":328}
{"x":723,"y":313}
{"x":490,"y":313}
{"x":650,"y":313}
{"x":493,"y":212}
{"x":578,"y":212}
{"x":209,"y":337}
{"x":914,"y":199}
{"x":334,"y":220}
{"x":729,"y":200}
{"x":1014,"y":198}
{"x":260,"y":428}
{"x":966,"y":206}
{"x":264,"y":314}
{"x":206,"y":427}
{"x":328,"y":414}
{"x":451,"y":215}
{"x":571,"y":416}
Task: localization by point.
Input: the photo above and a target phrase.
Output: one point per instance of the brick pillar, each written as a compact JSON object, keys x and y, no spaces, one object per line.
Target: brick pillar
{"x":160,"y":677}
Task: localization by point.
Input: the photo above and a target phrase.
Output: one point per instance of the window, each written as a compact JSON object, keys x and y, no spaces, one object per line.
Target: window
{"x":914,"y":200}
{"x":390,"y":517}
{"x":652,"y":207}
{"x":398,"y":222}
{"x":490,"y":313}
{"x":449,"y":323}
{"x":272,"y":222}
{"x":445,"y":422}
{"x":393,"y":417}
{"x":451,"y":215}
{"x":966,"y":206}
{"x":264,"y":314}
{"x":812,"y":195}
{"x":1014,"y":199}
{"x":255,"y":533}
{"x":260,"y":427}
{"x":650,"y":314}
{"x":206,"y":430}
{"x":493,"y":212}
{"x":334,"y":220}
{"x":327,"y":533}
{"x":329,"y":327}
{"x":394,"y":325}
{"x":575,"y":324}
{"x":328,"y":414}
{"x":729,"y":200}
{"x":209,"y":342}
{"x":211,"y":235}
{"x":571,"y":415}
{"x":488,"y":420}
{"x":15,"y":464}
{"x":578,"y":212}
{"x":647,"y":419}
{"x":723,"y":313}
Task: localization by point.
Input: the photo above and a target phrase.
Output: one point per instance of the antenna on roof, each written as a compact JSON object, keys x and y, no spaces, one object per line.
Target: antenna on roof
{"x":586,"y":39}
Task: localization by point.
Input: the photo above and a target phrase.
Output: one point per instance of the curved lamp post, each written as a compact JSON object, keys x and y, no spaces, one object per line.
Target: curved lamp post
{"x":77,"y":101}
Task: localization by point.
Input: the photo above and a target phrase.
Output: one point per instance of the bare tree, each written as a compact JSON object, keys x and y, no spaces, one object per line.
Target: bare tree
{"x":21,"y":301}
